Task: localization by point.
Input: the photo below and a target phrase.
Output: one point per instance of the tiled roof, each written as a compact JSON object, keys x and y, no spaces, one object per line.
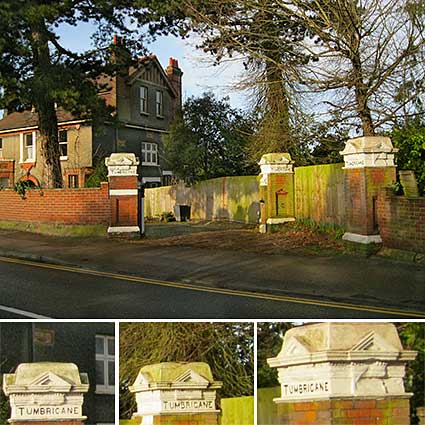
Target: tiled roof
{"x":30,"y":119}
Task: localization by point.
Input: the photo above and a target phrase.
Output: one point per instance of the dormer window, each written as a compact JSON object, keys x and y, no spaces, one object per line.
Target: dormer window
{"x":159,"y":103}
{"x":143,"y":100}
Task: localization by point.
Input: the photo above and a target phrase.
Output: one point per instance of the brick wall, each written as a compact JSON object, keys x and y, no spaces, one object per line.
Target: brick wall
{"x":345,"y":412}
{"x":67,"y":206}
{"x":401,"y":221}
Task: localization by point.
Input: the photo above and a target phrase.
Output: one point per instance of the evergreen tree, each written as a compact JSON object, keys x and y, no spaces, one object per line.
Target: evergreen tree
{"x":37,"y":71}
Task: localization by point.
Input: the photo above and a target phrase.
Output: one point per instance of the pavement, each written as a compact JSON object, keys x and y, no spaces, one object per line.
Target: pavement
{"x":368,"y":281}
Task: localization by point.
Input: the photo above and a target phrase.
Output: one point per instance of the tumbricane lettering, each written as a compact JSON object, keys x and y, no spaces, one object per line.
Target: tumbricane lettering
{"x":51,"y":410}
{"x":305,"y":388}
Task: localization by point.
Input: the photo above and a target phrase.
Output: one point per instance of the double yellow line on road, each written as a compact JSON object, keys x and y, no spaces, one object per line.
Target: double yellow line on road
{"x":222,"y":291}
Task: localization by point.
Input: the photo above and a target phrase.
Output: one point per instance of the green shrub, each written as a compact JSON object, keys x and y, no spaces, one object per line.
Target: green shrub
{"x":410,"y":140}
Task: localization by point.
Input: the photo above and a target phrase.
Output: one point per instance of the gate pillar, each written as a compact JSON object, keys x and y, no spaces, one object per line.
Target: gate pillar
{"x":176,"y":394}
{"x":124,"y":194}
{"x":276,"y":189}
{"x":46,"y":393}
{"x":342,"y":374}
{"x":369,"y":167}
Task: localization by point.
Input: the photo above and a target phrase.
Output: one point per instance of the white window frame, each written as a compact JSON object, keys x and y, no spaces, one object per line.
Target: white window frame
{"x":1,"y":147}
{"x":149,"y":151}
{"x":24,"y":149}
{"x":107,"y":387}
{"x":63,"y":157}
{"x":143,"y":95}
{"x":159,"y":103}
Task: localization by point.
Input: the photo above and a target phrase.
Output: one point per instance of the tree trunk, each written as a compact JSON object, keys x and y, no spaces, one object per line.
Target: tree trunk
{"x":360,"y":89}
{"x":278,"y":105}
{"x":45,"y":104}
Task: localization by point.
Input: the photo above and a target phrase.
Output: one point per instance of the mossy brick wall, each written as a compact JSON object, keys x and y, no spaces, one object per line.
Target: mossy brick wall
{"x":266,"y":407}
{"x":66,"y":206}
{"x":401,"y":221}
{"x":225,"y":198}
{"x":362,"y":186}
{"x":237,"y":410}
{"x":320,"y":193}
{"x":345,"y":412}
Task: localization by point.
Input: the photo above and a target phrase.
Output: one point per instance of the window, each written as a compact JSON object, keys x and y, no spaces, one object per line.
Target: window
{"x":143,"y":100}
{"x":4,"y":182}
{"x":29,"y":147}
{"x":63,"y":144}
{"x":1,"y":148}
{"x":73,"y":181}
{"x":159,"y":103}
{"x":149,"y":154}
{"x":105,"y":364}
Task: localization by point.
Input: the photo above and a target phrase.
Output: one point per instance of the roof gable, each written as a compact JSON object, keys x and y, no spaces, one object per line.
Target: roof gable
{"x":151,"y":70}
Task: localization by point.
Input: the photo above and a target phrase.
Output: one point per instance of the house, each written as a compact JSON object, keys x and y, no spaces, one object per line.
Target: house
{"x":91,"y":346}
{"x":145,"y":97}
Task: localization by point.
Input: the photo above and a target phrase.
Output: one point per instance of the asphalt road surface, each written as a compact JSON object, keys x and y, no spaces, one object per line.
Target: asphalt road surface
{"x":37,"y":290}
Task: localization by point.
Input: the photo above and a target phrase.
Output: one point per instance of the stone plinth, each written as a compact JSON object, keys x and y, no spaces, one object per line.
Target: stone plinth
{"x":46,"y":392}
{"x":334,"y":372}
{"x":123,"y":192}
{"x":173,"y":392}
{"x":277,"y":189}
{"x":369,"y":167}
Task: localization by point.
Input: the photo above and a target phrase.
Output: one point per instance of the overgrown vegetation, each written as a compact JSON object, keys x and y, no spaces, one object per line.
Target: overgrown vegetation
{"x":99,"y":174}
{"x":21,"y":188}
{"x":410,"y":140}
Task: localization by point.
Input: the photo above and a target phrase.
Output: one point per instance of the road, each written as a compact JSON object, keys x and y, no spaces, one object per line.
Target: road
{"x":36,"y":290}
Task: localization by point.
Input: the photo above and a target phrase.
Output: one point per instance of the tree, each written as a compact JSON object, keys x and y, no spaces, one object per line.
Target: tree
{"x":362,"y":50}
{"x":208,"y":140}
{"x":226,"y":347}
{"x":37,"y":71}
{"x":412,"y":335}
{"x":270,"y":339}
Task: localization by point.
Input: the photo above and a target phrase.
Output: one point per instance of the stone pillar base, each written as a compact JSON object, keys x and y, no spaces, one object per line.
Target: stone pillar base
{"x":364,"y":239}
{"x":359,"y":411}
{"x":132,"y":232}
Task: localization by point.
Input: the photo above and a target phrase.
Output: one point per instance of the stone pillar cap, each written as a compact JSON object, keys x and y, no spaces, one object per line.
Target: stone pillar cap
{"x":175,"y":375}
{"x":122,"y":158}
{"x":45,"y":377}
{"x":370,"y":144}
{"x":276,"y":158}
{"x":341,"y":342}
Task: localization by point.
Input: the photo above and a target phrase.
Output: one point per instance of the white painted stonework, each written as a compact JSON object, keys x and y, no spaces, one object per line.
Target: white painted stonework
{"x":46,"y":392}
{"x":275,"y":163}
{"x":122,"y":164}
{"x":172,"y":388}
{"x":335,"y":360}
{"x":371,"y":151}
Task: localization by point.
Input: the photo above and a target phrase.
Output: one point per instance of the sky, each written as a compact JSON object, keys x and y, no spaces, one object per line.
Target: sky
{"x":199,"y":75}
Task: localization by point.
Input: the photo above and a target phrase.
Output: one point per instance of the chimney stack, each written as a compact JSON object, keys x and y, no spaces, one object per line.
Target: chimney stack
{"x":175,"y":76}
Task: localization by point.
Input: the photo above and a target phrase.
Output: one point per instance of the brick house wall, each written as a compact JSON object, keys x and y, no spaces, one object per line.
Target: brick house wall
{"x":401,"y":221}
{"x":67,"y":206}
